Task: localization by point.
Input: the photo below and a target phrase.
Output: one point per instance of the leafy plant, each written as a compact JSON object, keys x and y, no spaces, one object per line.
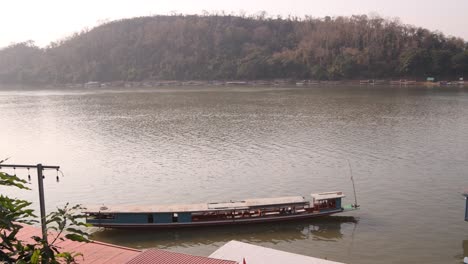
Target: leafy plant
{"x":15,"y":213}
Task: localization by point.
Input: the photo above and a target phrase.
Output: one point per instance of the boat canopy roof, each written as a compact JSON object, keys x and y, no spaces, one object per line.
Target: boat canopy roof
{"x":327,"y":195}
{"x":201,"y":207}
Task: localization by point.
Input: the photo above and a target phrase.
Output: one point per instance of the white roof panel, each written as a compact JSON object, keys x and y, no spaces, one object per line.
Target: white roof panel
{"x":145,"y":208}
{"x":327,"y":195}
{"x":237,"y":251}
{"x":226,"y":205}
{"x":274,"y":201}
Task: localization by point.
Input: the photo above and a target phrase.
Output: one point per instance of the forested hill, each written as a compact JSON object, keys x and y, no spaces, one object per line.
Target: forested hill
{"x":229,"y":47}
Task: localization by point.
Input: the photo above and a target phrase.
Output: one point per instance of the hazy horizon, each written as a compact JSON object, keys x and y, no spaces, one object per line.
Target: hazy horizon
{"x":51,"y":20}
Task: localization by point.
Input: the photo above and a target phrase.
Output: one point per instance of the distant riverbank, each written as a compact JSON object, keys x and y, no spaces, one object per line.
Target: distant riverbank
{"x":222,"y":47}
{"x":278,"y":82}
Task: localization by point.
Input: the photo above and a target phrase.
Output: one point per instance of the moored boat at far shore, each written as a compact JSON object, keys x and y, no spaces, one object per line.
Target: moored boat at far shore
{"x":218,"y":213}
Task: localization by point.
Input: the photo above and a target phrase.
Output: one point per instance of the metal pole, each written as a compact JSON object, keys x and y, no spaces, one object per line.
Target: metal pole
{"x":27,"y":166}
{"x":41,"y":201}
{"x":40,"y":182}
{"x":466,"y":207}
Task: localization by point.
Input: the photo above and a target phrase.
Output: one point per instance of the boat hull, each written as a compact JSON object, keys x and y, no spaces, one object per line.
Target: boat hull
{"x":241,"y":221}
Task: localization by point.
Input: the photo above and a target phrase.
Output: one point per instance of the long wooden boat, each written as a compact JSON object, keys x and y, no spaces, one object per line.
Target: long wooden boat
{"x":222,"y":213}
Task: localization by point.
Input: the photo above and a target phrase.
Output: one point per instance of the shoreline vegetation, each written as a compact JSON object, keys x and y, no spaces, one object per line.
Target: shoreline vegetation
{"x":258,"y":50}
{"x":299,"y":83}
{"x":250,"y":83}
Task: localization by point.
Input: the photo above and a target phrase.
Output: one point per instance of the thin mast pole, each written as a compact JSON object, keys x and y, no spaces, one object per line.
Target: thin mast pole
{"x":352,"y":180}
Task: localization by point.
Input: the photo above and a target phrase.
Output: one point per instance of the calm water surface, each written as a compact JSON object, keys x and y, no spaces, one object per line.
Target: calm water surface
{"x":408,"y":148}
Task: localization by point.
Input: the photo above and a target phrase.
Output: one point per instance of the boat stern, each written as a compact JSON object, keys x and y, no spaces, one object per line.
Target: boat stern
{"x":331,"y":201}
{"x":350,"y":207}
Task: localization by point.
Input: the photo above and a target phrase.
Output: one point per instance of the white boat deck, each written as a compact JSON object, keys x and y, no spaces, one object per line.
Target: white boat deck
{"x":238,"y":251}
{"x":200,"y":207}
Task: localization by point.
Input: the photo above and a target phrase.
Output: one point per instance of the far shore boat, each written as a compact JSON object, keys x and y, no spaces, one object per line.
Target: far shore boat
{"x":219,"y":213}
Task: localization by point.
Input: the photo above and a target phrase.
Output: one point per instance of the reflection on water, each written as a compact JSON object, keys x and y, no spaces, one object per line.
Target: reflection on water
{"x":322,"y":228}
{"x":465,"y":251}
{"x":330,"y":229}
{"x":465,"y":248}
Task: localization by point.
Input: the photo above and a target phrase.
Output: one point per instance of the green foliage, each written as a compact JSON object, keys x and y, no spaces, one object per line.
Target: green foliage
{"x":441,"y":62}
{"x":229,"y":47}
{"x":416,"y":62}
{"x":14,"y":213}
{"x":460,"y":63}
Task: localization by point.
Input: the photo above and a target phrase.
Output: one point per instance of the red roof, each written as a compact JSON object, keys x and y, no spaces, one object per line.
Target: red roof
{"x":157,"y":256}
{"x":94,"y":252}
{"x":97,"y":252}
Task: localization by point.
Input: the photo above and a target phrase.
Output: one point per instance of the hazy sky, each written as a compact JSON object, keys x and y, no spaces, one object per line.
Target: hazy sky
{"x":47,"y":20}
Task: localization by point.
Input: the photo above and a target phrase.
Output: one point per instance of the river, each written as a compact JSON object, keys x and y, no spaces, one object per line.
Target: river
{"x":408,"y":148}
